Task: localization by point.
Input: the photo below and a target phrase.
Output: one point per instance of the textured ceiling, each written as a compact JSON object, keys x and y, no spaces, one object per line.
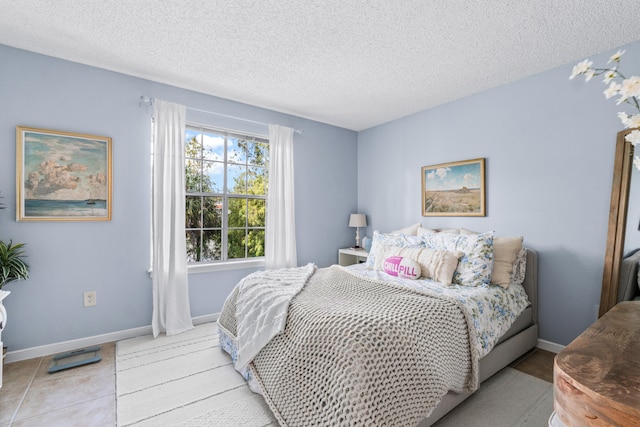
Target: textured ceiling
{"x":354,"y":64}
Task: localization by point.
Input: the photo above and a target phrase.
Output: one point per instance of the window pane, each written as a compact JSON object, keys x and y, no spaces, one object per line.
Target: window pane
{"x":236,"y":179}
{"x":211,"y":245}
{"x":193,"y":212}
{"x":237,"y":213}
{"x":236,"y":150}
{"x":192,"y":176}
{"x":255,"y":243}
{"x":213,"y":146}
{"x":257,"y":181}
{"x":213,"y":178}
{"x":193,"y":246}
{"x":193,"y":144}
{"x":257,"y":153}
{"x":213,"y":216}
{"x":236,"y":247}
{"x":212,"y":212}
{"x":256,"y":212}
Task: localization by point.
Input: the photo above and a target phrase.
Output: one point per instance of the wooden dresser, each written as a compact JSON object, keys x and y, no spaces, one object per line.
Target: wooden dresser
{"x":596,"y":378}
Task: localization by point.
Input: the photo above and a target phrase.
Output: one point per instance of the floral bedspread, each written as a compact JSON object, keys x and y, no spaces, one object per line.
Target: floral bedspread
{"x":492,"y":308}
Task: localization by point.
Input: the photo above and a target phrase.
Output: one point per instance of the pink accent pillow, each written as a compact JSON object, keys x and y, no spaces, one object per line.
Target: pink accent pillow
{"x":402,"y":267}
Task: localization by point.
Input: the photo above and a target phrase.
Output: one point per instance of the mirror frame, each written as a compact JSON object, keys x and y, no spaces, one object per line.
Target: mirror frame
{"x":623,"y":164}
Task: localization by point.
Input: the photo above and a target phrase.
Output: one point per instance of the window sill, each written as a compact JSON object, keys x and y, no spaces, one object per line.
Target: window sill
{"x":222,"y":266}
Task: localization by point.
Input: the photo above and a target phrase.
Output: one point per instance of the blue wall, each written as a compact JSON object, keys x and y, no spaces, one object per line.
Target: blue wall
{"x":112,"y":258}
{"x":549,"y":145}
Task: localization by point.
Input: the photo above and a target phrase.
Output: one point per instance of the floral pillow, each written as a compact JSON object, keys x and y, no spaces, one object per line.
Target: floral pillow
{"x":519,"y":267}
{"x":400,"y":240}
{"x":474,"y":268}
{"x":505,"y":256}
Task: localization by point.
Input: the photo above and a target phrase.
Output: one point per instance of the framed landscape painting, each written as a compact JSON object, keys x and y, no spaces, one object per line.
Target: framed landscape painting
{"x":62,"y":176}
{"x":454,"y":189}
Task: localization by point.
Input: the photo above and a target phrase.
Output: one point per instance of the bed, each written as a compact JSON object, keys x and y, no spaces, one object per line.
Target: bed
{"x":359,"y":345}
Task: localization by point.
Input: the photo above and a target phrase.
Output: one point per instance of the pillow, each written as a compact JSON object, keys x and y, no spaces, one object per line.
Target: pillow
{"x":519,"y":267}
{"x":475,"y":266}
{"x":438,"y":230}
{"x":405,"y":268}
{"x":411,"y":230}
{"x":435,"y":264}
{"x":399,"y":240}
{"x":505,"y":252}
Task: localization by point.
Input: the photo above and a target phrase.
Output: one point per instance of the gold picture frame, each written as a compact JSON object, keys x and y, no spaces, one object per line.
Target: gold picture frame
{"x":454,"y":189}
{"x":62,"y":176}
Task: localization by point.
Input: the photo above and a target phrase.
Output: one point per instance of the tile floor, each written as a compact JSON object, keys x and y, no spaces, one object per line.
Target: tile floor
{"x":85,"y":396}
{"x":82,"y":396}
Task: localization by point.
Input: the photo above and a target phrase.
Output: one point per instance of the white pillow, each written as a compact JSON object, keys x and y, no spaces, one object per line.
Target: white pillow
{"x":475,"y":266}
{"x":411,"y":230}
{"x":402,"y":267}
{"x":438,"y":230}
{"x":439,"y":265}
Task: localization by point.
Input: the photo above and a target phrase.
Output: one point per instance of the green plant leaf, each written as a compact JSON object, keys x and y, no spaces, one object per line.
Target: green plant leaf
{"x":12,"y":264}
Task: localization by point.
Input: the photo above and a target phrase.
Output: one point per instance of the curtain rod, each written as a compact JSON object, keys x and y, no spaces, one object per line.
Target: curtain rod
{"x":146,"y":100}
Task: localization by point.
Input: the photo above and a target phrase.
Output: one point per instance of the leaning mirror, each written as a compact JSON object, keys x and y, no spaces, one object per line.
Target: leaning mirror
{"x":615,"y":249}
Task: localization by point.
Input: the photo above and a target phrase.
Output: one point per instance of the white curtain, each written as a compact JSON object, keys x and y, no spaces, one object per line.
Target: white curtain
{"x":280,"y":238}
{"x":171,"y":309}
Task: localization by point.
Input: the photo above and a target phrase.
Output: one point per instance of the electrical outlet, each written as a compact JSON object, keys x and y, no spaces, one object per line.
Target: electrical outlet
{"x":90,"y":298}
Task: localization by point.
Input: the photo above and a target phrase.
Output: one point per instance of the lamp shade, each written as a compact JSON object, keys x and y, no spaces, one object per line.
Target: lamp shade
{"x":357,"y":220}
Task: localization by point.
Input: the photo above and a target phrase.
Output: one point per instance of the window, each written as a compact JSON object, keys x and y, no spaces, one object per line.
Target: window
{"x":226,"y":178}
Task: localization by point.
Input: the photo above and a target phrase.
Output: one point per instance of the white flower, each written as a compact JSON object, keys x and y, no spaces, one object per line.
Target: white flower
{"x":633,"y":137}
{"x":609,"y":75}
{"x":628,"y":90}
{"x":588,"y":75}
{"x":629,"y":121}
{"x":636,"y":162}
{"x":616,"y":56}
{"x":581,"y":68}
{"x":624,"y":118}
{"x":612,"y":90}
{"x":630,"y":87}
{"x":634,"y":121}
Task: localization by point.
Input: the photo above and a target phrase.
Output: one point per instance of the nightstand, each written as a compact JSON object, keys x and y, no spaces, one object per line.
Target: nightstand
{"x":348,"y":256}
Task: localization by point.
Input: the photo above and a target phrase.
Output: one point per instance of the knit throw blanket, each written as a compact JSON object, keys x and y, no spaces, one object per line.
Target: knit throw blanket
{"x":357,"y":352}
{"x":262,"y":305}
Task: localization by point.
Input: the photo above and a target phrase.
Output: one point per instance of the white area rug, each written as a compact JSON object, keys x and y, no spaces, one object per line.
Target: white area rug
{"x":186,"y":380}
{"x":183,"y":380}
{"x":510,"y":398}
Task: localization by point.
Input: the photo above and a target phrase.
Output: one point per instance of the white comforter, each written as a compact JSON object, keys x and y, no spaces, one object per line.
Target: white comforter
{"x":262,"y":305}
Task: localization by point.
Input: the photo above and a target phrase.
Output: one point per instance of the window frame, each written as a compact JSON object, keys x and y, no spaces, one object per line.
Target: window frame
{"x":226,"y":196}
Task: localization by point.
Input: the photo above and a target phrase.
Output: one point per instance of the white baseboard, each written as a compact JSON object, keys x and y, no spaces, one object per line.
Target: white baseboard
{"x":64,"y":346}
{"x":549,"y":346}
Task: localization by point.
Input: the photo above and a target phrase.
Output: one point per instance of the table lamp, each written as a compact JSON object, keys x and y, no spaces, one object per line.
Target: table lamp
{"x":357,"y":221}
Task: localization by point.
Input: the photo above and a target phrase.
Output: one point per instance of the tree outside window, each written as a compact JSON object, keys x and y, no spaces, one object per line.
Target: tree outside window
{"x":226,"y":178}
